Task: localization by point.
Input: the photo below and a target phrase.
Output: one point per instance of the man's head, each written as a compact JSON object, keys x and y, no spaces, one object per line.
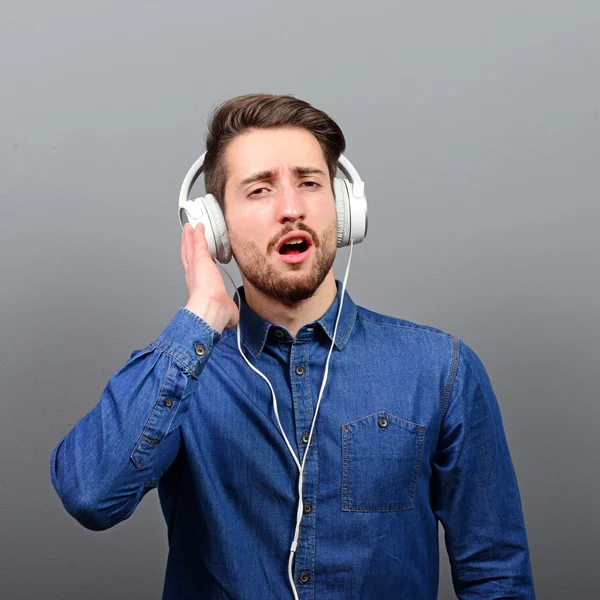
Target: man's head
{"x":264,"y":111}
{"x":270,"y":163}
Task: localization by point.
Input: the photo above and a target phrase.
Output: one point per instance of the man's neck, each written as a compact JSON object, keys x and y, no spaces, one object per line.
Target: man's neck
{"x":292,"y":316}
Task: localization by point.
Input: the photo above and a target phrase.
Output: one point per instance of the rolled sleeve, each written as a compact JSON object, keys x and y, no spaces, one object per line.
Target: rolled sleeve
{"x":189,"y":340}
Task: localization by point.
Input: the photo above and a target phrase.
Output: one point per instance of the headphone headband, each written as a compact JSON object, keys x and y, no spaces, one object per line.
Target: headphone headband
{"x":189,"y":180}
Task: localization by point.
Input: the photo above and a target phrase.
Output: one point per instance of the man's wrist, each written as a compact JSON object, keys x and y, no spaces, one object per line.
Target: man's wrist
{"x":210,"y":311}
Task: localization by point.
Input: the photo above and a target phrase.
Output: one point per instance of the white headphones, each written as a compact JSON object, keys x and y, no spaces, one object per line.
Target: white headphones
{"x":350,"y":205}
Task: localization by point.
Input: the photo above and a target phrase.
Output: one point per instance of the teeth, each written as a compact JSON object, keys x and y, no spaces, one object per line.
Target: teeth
{"x":294,"y":241}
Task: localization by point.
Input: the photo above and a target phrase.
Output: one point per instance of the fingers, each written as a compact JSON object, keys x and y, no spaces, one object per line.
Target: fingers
{"x":188,"y":245}
{"x":183,"y":258}
{"x":193,"y":243}
{"x":200,"y":243}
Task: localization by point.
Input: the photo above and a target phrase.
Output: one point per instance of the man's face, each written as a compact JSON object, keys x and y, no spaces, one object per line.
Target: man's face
{"x":278,"y":189}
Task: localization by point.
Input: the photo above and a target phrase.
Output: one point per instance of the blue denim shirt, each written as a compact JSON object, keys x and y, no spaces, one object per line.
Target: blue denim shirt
{"x":408,"y":433}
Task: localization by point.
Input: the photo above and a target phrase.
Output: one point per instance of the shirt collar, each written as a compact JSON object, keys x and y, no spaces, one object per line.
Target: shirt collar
{"x":254,"y":329}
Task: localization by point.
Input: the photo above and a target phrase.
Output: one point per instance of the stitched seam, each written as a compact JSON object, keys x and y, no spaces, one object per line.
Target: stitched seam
{"x":151,"y":441}
{"x":226,"y":337}
{"x":309,"y":409}
{"x":411,"y":327}
{"x":342,"y":342}
{"x":345,"y":436}
{"x":305,"y":375}
{"x":350,"y":326}
{"x":296,"y":408}
{"x":262,"y":344}
{"x":312,"y":524}
{"x":196,"y":318}
{"x":314,"y":502}
{"x":372,"y":510}
{"x":188,"y":365}
{"x":379,"y":412}
{"x":413,"y":487}
{"x":314,"y":490}
{"x":451,"y":377}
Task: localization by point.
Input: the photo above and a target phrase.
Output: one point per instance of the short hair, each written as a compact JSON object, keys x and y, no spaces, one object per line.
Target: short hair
{"x":264,"y":111}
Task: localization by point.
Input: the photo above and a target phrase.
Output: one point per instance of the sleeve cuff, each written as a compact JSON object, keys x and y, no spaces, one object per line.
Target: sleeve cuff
{"x":189,"y":340}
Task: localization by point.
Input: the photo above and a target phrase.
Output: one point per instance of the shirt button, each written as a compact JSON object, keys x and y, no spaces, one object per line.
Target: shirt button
{"x":382,"y":422}
{"x":200,"y":349}
{"x":168,"y":402}
{"x":279,"y":333}
{"x":304,"y":578}
{"x":299,"y":370}
{"x":307,"y":508}
{"x":305,"y":437}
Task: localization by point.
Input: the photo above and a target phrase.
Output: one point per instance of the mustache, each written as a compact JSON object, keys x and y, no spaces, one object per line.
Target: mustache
{"x":296,"y":227}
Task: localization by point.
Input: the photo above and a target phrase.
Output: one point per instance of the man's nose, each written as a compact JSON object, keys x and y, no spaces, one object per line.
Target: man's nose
{"x":290,"y":204}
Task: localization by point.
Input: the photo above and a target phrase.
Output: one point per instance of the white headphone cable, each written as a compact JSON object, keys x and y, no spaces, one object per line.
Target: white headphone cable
{"x":299,"y":512}
{"x":301,"y":476}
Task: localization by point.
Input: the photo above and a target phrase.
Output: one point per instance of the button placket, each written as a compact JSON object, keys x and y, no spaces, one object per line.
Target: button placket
{"x":301,"y":393}
{"x":303,"y":404}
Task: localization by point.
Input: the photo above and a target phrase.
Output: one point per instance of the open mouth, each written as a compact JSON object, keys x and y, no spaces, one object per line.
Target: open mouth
{"x":295,"y":250}
{"x":294,"y":247}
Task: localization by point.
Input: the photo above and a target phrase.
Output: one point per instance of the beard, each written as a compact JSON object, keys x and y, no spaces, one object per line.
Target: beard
{"x":253,"y":265}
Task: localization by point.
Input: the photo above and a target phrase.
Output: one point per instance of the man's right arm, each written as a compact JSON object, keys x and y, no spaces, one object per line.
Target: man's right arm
{"x":115,"y":454}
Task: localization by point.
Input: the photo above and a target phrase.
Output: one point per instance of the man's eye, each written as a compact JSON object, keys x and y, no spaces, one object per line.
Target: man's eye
{"x":310,"y":183}
{"x":257,"y":191}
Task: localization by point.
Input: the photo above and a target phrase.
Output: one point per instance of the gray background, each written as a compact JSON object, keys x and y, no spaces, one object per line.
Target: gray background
{"x":476,"y":126}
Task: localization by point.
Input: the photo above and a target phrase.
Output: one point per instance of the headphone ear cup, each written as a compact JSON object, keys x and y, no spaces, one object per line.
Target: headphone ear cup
{"x":194,"y":212}
{"x":219,"y":227}
{"x":207,"y":211}
{"x":342,"y":208}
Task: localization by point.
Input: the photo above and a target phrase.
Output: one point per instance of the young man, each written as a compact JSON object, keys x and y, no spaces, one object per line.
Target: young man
{"x":409,"y":432}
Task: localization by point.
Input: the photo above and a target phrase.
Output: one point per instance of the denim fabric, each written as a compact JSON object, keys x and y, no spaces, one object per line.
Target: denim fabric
{"x":408,"y":433}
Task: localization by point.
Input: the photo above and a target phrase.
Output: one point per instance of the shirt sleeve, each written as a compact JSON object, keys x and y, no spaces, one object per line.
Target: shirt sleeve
{"x":117,"y":452}
{"x":475,"y":493}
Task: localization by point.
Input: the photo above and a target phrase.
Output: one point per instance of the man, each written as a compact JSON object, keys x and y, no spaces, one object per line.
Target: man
{"x":409,"y":432}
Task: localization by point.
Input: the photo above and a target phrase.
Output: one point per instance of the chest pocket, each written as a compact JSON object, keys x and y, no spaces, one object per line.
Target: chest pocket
{"x":381,"y":457}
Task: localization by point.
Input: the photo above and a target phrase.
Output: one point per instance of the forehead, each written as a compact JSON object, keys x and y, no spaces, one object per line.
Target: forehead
{"x":266,"y":149}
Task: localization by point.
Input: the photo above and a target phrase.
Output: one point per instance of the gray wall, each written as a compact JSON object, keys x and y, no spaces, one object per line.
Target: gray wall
{"x":476,"y":126}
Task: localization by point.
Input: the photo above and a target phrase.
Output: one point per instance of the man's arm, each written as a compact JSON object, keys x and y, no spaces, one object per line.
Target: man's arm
{"x":475,"y":493}
{"x":115,"y":454}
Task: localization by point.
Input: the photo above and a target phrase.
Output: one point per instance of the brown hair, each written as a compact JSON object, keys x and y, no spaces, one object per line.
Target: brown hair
{"x":264,"y":111}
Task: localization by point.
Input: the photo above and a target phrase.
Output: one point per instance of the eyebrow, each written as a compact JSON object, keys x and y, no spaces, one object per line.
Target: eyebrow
{"x":270,"y":174}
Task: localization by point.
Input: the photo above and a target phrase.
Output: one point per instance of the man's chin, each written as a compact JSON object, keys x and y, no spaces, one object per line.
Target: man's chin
{"x":293,"y":287}
{"x":297,"y":291}
{"x":286,"y":282}
{"x":289,"y":286}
